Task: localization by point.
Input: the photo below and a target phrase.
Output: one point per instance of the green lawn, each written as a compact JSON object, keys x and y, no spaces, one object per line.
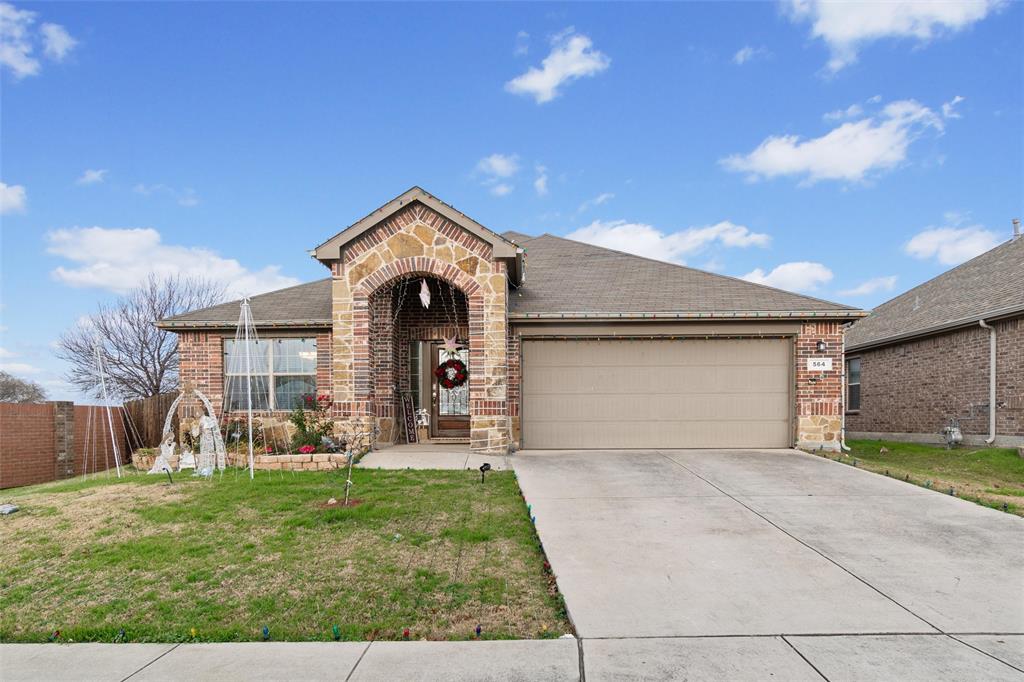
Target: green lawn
{"x":432,"y":551}
{"x":989,"y":476}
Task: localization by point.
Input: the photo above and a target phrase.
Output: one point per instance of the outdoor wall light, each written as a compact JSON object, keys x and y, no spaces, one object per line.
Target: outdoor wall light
{"x":821,"y":346}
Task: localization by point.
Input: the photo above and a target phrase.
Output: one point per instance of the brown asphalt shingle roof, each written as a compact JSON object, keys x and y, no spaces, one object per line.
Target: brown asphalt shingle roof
{"x":563,"y":277}
{"x":304,"y":305}
{"x":989,"y":285}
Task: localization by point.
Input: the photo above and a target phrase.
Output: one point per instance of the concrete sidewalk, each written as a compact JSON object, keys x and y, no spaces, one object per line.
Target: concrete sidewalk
{"x":934,"y":658}
{"x":431,"y":456}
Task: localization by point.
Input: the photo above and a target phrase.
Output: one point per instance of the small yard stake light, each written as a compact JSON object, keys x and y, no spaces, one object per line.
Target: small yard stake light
{"x":484,"y":468}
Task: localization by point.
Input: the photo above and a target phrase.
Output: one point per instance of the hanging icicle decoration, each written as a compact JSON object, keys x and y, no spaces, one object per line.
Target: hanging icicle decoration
{"x":424,"y":293}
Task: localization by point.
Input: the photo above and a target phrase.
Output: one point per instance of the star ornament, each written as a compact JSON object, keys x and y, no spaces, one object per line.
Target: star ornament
{"x":451,"y":345}
{"x":424,"y":293}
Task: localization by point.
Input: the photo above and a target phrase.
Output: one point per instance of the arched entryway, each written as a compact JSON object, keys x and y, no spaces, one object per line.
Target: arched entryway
{"x":417,"y":322}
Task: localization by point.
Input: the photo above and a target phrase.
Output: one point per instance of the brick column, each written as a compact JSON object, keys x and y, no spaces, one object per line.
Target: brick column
{"x":819,"y":395}
{"x":64,"y":439}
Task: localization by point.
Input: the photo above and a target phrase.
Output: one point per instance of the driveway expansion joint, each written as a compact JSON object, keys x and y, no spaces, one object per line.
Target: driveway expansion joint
{"x":805,"y":544}
{"x":152,"y":662}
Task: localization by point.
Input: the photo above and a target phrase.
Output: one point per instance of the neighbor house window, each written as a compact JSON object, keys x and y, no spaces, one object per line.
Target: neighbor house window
{"x":283,"y":373}
{"x":853,"y":384}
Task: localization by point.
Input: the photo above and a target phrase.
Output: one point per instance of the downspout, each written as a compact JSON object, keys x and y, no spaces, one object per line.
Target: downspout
{"x":842,"y":388}
{"x":991,"y":382}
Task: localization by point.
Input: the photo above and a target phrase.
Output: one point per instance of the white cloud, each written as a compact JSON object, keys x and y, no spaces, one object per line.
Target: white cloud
{"x":184,"y":197}
{"x":646,"y":240}
{"x":119,"y":259}
{"x":18,"y":368}
{"x":599,"y":200}
{"x":522,"y":44}
{"x":748,"y":53}
{"x":852,"y":111}
{"x":540,"y":183}
{"x":13,"y":198}
{"x":499,"y":165}
{"x":948,"y":108}
{"x":18,"y":40}
{"x":4,"y":353}
{"x":188,"y":198}
{"x":797,"y":276}
{"x":871,"y":286}
{"x":848,"y":26}
{"x":92,"y":177}
{"x":849,"y":152}
{"x":951,"y":245}
{"x":572,"y":57}
{"x":57,"y":42}
{"x":495,"y":170}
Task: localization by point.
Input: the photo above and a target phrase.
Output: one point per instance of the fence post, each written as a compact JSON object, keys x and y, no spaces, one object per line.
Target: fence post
{"x":64,"y":438}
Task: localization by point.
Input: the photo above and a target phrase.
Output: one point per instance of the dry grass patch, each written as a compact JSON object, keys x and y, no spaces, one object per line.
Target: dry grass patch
{"x":432,"y":551}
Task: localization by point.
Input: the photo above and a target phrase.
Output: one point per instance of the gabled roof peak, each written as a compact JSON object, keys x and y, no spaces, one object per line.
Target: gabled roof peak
{"x":331,"y":249}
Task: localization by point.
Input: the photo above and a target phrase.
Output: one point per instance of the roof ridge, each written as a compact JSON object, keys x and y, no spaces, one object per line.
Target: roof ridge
{"x":943,"y":274}
{"x":703,"y":272}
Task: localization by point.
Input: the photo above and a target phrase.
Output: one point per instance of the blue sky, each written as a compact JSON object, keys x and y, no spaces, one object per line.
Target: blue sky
{"x":849,"y":151}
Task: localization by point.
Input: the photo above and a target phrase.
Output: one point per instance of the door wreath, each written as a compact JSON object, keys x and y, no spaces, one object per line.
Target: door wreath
{"x":451,"y":373}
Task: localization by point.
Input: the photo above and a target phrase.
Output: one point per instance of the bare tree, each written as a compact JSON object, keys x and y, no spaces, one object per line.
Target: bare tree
{"x":140,"y":360}
{"x":15,"y":390}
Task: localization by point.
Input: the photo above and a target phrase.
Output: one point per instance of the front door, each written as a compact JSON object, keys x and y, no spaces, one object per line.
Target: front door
{"x":449,"y":406}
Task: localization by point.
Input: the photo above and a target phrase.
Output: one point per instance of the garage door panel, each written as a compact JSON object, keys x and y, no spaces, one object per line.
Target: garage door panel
{"x":692,"y":434}
{"x":656,"y":393}
{"x":636,"y":379}
{"x":700,"y":406}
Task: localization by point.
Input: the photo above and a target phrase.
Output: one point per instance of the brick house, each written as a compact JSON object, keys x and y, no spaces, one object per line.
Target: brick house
{"x":925,"y":357}
{"x":566,"y":345}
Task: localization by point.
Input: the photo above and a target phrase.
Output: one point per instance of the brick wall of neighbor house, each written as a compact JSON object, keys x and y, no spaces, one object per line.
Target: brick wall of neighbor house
{"x":47,"y":441}
{"x":417,"y":241}
{"x":819,"y":394}
{"x":915,"y":387}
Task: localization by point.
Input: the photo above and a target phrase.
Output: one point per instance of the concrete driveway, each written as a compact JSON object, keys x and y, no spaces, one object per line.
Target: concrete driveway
{"x":778,"y":559}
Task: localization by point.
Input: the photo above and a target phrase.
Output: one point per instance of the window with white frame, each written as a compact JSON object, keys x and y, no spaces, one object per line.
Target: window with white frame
{"x":282,"y":370}
{"x":853,"y":384}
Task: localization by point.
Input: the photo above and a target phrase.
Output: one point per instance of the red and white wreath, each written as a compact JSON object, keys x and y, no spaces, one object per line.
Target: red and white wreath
{"x":451,"y":373}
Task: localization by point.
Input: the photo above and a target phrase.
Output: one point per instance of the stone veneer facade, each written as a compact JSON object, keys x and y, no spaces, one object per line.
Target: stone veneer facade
{"x":416,"y":241}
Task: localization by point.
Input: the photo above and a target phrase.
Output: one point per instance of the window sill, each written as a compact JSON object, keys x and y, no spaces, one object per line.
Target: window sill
{"x":850,"y":412}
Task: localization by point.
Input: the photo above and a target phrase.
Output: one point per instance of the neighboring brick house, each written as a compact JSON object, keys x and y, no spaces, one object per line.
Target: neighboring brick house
{"x":923,"y":358}
{"x":567,"y":345}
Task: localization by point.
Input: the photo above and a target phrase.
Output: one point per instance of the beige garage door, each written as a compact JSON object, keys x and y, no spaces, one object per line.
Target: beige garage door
{"x":655,"y":393}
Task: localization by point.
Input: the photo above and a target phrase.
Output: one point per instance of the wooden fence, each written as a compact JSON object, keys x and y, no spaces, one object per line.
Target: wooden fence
{"x":148,"y":414}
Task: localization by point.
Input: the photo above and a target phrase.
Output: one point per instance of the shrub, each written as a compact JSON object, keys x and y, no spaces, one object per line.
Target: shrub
{"x":312,"y":423}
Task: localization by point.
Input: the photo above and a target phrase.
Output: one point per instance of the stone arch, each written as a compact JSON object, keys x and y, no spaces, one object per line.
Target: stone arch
{"x":381,"y":280}
{"x":387,"y":275}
